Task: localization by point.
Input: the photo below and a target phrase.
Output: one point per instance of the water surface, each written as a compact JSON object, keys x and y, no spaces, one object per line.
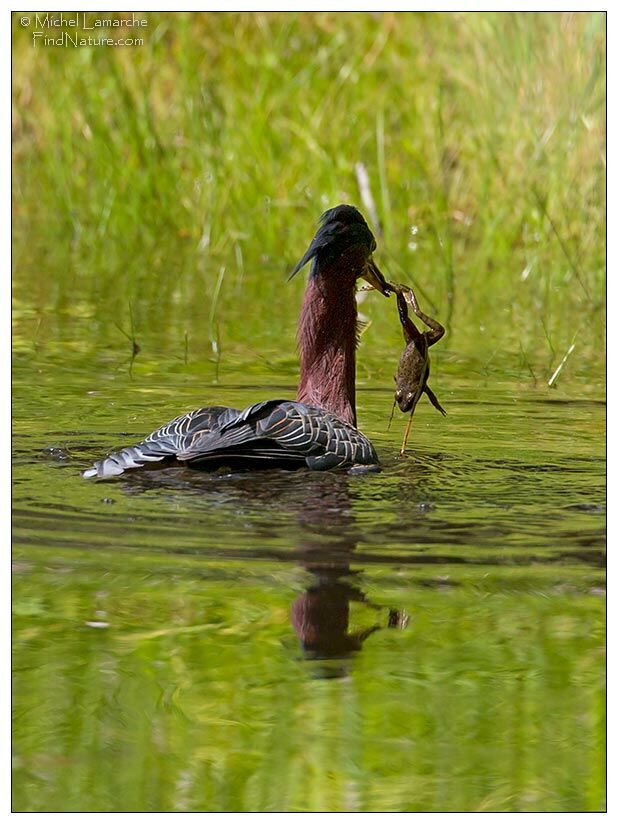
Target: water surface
{"x":426,"y":638}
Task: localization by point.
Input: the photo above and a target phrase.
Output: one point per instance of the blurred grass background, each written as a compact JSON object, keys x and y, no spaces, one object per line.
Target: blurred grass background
{"x":178,"y":182}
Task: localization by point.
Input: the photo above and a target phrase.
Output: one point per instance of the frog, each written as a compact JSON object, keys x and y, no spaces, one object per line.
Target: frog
{"x":413,"y":369}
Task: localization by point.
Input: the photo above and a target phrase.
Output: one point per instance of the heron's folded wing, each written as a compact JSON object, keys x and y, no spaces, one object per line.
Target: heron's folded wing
{"x":165,"y":442}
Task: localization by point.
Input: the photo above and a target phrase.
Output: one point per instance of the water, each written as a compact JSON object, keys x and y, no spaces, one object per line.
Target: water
{"x":427,"y":638}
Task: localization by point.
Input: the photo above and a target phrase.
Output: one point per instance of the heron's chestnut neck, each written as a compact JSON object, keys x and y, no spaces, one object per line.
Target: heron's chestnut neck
{"x":327,"y":338}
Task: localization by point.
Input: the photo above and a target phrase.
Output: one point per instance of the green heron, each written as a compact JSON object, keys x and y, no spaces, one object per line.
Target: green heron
{"x":413,"y":371}
{"x":318,"y":429}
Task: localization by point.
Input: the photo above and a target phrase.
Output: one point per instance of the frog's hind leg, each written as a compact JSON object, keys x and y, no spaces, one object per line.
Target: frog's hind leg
{"x":435,"y":402}
{"x":436,"y":330}
{"x":402,"y":451}
{"x":410,"y":332}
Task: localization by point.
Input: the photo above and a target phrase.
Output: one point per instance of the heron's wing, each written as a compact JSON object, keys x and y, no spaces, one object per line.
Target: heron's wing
{"x":277,"y":431}
{"x":324,"y":439}
{"x":286,"y":431}
{"x":163,"y":443}
{"x":238,"y":434}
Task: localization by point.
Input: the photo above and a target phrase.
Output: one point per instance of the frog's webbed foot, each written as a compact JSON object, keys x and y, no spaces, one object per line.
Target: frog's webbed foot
{"x":397,"y":288}
{"x":434,"y":334}
{"x":433,"y":399}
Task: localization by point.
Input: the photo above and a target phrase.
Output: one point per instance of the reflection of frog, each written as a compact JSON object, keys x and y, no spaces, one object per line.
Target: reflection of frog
{"x":413,"y":370}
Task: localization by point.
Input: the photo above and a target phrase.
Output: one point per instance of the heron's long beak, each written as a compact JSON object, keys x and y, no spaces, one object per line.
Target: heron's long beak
{"x":375,"y":277}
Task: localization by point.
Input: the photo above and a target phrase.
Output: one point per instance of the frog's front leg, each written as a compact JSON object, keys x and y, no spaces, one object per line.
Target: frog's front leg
{"x":436,"y":329}
{"x":435,"y":402}
{"x":410,"y":332}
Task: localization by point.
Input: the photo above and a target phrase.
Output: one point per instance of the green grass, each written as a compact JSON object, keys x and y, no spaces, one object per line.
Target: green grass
{"x":141,"y":174}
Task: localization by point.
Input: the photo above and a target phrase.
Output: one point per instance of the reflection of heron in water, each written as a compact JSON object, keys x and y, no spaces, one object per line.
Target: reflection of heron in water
{"x":315,"y":512}
{"x":321,"y":615}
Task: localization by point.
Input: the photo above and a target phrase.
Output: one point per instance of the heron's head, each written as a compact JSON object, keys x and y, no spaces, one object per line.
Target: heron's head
{"x":343,"y":248}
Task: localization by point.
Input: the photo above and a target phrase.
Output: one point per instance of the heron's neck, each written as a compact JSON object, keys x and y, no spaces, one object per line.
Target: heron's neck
{"x":327,"y":343}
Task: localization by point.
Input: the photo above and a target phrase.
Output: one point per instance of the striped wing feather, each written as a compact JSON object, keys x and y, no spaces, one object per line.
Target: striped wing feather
{"x":282,"y":432}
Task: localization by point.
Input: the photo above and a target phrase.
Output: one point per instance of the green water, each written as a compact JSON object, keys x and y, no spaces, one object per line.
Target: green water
{"x":429,"y":638}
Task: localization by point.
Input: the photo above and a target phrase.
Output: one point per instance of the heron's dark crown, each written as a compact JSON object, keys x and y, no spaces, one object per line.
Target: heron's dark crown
{"x":341,"y":228}
{"x":343,"y":214}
